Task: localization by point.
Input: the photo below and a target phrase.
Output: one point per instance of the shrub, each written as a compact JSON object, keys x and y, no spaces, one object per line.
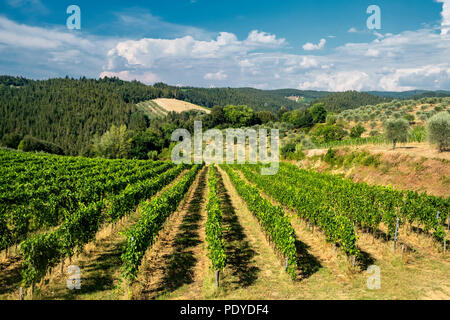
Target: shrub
{"x":330,"y":156}
{"x":357,"y":131}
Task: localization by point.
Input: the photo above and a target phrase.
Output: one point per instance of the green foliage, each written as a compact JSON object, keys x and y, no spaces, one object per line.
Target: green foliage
{"x":318,"y":113}
{"x":301,"y":194}
{"x":396,"y":130}
{"x":349,"y":100}
{"x":214,"y":229}
{"x":324,"y":133}
{"x":357,"y":131}
{"x":154,"y":213}
{"x":69,"y":112}
{"x":114,"y":144}
{"x":239,"y":116}
{"x":30,"y":144}
{"x":67,"y":196}
{"x":409,"y":117}
{"x":11,"y":140}
{"x":330,"y":156}
{"x":439,"y":130}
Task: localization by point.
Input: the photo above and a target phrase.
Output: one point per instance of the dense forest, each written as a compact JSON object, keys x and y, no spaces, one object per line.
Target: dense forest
{"x":340,"y":101}
{"x":69,"y":112}
{"x":253,"y":98}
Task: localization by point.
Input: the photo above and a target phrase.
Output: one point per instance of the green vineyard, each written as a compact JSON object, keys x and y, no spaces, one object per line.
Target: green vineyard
{"x":171,"y":227}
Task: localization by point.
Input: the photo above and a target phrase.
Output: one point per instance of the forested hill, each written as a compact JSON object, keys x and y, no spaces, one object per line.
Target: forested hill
{"x":340,"y":101}
{"x":271,"y":100}
{"x":70,"y":112}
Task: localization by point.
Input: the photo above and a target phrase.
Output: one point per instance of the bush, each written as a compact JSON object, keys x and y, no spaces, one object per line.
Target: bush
{"x":439,"y":130}
{"x":330,"y":156}
{"x":30,"y":144}
{"x":409,"y":117}
{"x":357,"y":131}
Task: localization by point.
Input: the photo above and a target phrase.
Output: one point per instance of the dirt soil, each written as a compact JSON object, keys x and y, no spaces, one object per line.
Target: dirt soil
{"x":416,"y":167}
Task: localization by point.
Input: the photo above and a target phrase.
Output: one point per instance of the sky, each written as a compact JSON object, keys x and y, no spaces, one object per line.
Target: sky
{"x":300,"y":44}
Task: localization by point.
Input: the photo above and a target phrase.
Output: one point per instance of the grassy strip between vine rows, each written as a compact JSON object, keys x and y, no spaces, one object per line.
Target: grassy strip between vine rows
{"x":272,"y":219}
{"x":154,"y":214}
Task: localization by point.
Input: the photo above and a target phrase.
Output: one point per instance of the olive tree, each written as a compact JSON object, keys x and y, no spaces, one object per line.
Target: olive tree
{"x":396,"y":130}
{"x":439,"y":130}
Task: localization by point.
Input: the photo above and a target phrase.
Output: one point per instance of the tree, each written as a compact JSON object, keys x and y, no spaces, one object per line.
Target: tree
{"x":239,"y":116}
{"x":325,"y":133}
{"x":396,"y":130}
{"x":114,"y":144}
{"x":318,"y":113}
{"x":357,"y":131}
{"x":439,"y":130}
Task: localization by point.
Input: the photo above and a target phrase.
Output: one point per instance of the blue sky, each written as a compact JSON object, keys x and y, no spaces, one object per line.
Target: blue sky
{"x":308,"y":44}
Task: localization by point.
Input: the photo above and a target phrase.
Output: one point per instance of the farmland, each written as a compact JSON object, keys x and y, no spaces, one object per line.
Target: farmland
{"x":156,"y":230}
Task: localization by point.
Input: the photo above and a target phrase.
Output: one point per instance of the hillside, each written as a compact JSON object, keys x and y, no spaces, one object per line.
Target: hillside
{"x":256,"y":99}
{"x":70,"y":112}
{"x":340,"y":101}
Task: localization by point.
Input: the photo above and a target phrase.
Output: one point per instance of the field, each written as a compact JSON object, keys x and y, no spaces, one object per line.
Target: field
{"x":155,"y":230}
{"x":161,"y":107}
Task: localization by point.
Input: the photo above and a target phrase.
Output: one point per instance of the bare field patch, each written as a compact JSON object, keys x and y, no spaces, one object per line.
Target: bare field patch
{"x":178,"y":105}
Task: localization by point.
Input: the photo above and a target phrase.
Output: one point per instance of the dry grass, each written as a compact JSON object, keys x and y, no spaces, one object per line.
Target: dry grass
{"x":416,"y":167}
{"x":178,"y":105}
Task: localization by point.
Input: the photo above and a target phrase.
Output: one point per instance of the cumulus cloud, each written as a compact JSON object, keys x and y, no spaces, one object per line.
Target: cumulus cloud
{"x":47,"y":52}
{"x":340,"y":81}
{"x":256,"y":37}
{"x":311,"y":46}
{"x":394,"y":62}
{"x":445,"y":25}
{"x":145,"y":77}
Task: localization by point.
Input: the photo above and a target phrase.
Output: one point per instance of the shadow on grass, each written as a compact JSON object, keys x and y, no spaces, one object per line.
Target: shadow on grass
{"x":10,"y":275}
{"x":365,"y":259}
{"x":306,"y":262}
{"x":180,"y":264}
{"x":237,"y":248}
{"x":97,"y":275}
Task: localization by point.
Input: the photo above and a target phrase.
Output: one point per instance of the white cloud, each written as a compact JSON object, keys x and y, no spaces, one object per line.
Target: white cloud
{"x":311,"y":46}
{"x":194,"y":57}
{"x":146,"y":77}
{"x":445,"y":25}
{"x":220,"y":75}
{"x":341,"y":81}
{"x":309,"y":62}
{"x":352,"y":30}
{"x":256,"y":37}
